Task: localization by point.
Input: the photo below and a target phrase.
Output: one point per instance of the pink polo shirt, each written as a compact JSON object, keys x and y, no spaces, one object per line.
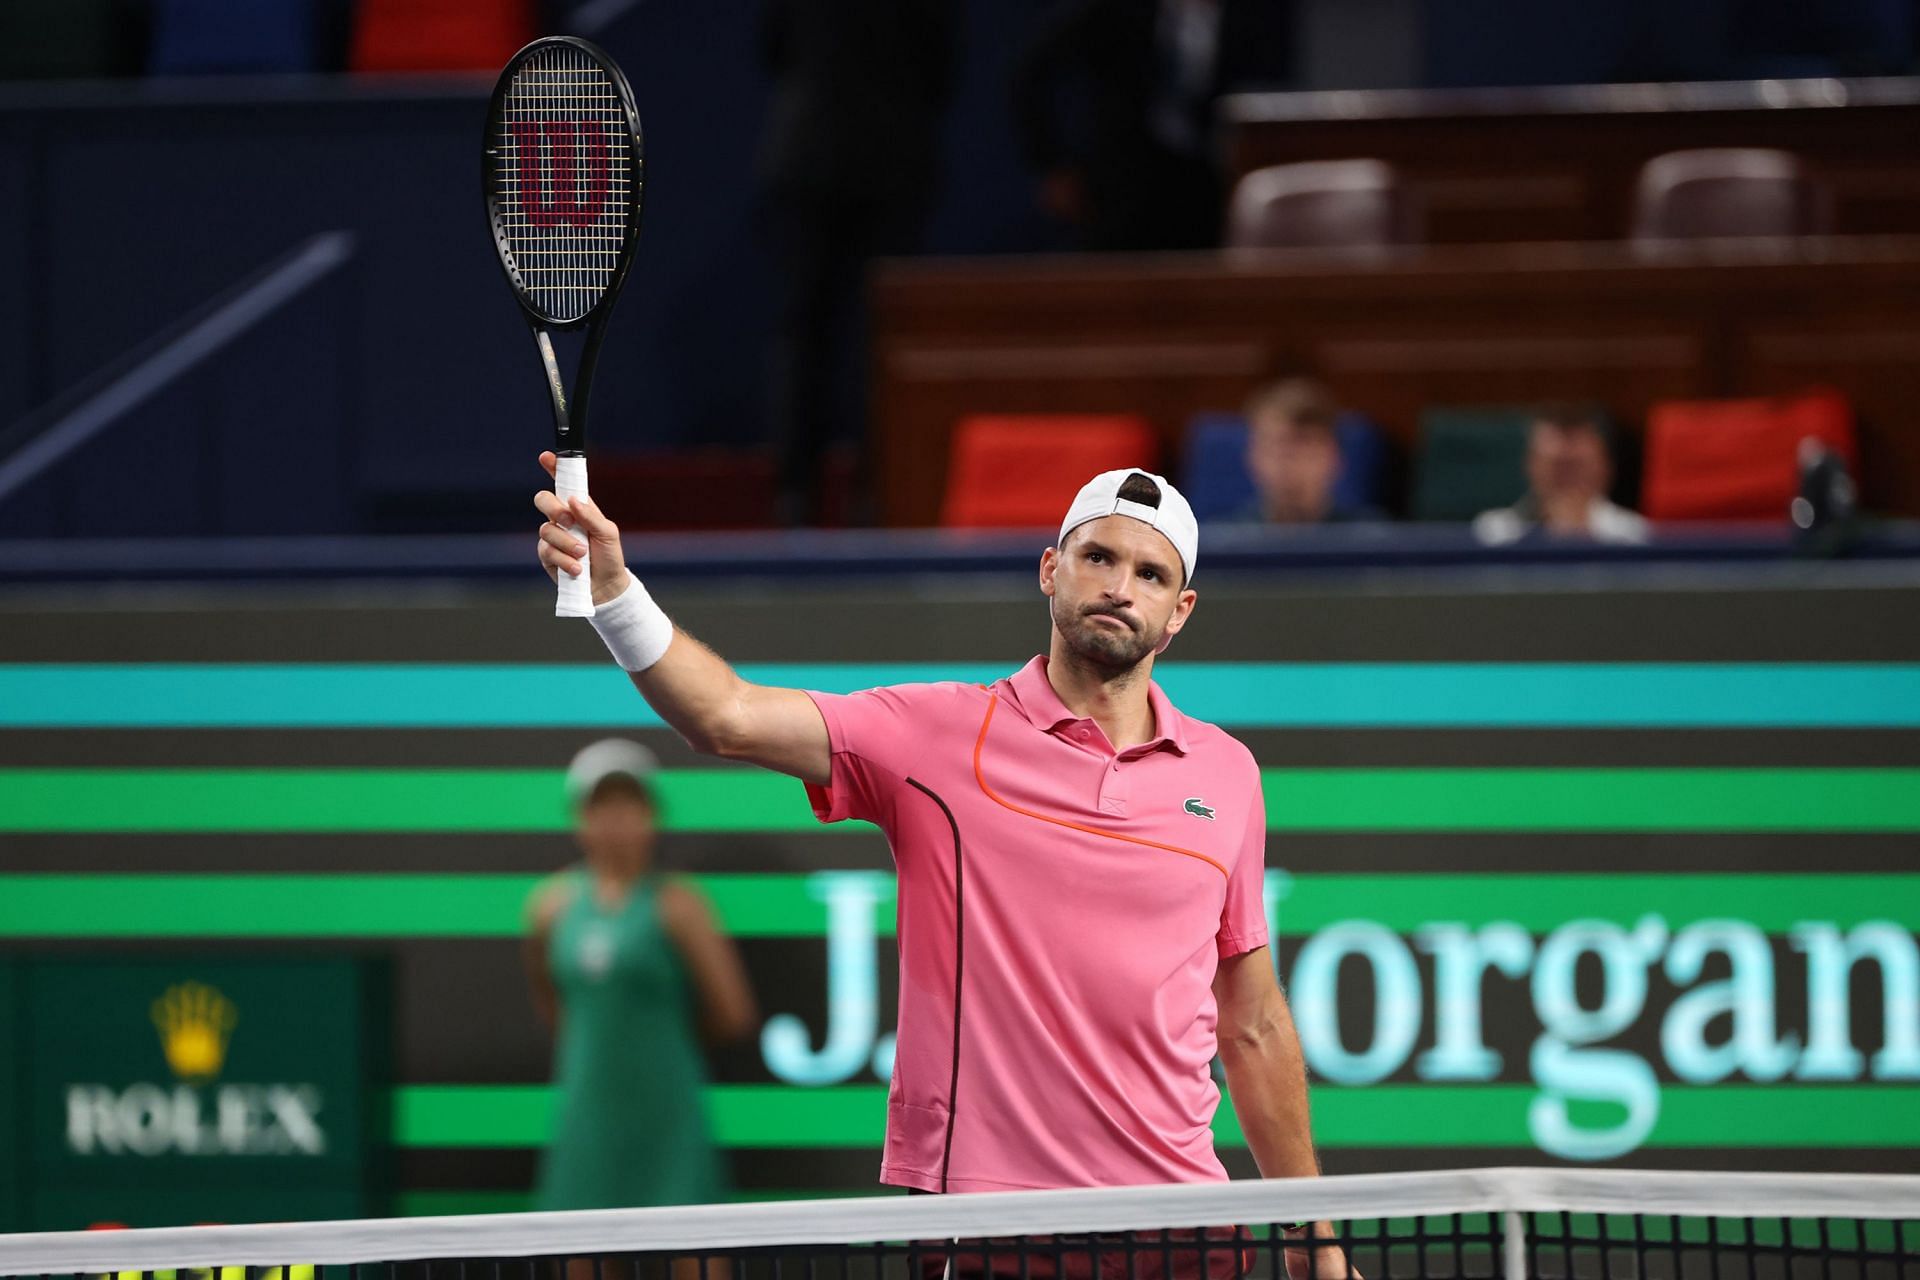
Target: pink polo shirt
{"x":1062,"y":910}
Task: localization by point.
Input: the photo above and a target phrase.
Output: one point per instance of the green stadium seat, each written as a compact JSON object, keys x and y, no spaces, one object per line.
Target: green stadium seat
{"x":68,"y":39}
{"x":1471,"y":459}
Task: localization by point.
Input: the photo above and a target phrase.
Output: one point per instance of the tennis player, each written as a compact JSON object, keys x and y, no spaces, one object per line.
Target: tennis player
{"x":1080,"y":919}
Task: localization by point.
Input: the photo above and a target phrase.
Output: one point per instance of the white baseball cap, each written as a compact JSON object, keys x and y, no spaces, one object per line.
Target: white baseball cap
{"x":1172,"y":517}
{"x":608,"y":758}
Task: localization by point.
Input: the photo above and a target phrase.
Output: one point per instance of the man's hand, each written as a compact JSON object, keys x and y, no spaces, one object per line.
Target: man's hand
{"x":560,"y":548}
{"x":1325,"y":1261}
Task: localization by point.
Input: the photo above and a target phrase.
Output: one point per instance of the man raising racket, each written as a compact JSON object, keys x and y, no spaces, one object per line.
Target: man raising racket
{"x":1081,"y":926}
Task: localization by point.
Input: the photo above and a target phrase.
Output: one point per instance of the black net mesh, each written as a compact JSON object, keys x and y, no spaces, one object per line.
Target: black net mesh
{"x":919,"y":1240}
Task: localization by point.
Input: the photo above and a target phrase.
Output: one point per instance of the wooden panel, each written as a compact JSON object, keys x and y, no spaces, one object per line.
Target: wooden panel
{"x":1560,"y":163}
{"x":1171,"y":336}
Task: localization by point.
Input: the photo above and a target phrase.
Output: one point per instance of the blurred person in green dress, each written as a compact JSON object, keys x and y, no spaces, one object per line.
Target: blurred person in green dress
{"x":634,"y":975}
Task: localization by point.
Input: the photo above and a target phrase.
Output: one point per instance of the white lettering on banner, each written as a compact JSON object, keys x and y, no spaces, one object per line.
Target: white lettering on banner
{"x":227,"y":1120}
{"x":1565,"y":1065}
{"x":1461,"y":958}
{"x":1716,"y":1029}
{"x":1830,"y":1052}
{"x":1396,"y":1001}
{"x":1746,"y":998}
{"x":853,"y":991}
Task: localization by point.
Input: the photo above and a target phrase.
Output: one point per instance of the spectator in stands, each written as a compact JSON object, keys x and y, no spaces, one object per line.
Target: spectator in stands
{"x":1293,"y":456}
{"x":848,"y":163}
{"x":1569,"y":474}
{"x":1146,"y":174}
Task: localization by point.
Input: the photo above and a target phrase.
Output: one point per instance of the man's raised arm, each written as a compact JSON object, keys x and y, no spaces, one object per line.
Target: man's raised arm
{"x":690,"y":685}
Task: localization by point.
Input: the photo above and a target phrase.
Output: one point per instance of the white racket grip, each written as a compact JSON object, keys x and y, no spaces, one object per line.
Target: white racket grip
{"x":576,"y":594}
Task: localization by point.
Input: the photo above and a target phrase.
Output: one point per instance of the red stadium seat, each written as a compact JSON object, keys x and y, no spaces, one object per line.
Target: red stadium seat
{"x":1737,"y":459}
{"x":1021,"y":471}
{"x":439,"y":35}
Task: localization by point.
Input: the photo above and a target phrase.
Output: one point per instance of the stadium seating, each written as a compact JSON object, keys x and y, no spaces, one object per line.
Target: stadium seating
{"x":1729,"y":191}
{"x":1020,"y":471}
{"x":51,"y":39}
{"x":1471,"y":460}
{"x":213,"y":37}
{"x":439,"y":35}
{"x":1737,"y":459}
{"x":1213,"y":471}
{"x":1320,"y":204}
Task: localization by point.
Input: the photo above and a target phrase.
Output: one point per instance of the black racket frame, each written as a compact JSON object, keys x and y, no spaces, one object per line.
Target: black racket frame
{"x":569,"y":419}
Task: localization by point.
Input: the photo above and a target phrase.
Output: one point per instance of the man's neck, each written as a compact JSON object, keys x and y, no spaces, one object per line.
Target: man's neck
{"x":1117,"y":703}
{"x":1567,"y":512}
{"x":1286,"y":511}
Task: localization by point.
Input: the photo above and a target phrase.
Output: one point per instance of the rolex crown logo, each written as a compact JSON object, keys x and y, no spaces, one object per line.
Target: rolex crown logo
{"x":195,"y":1022}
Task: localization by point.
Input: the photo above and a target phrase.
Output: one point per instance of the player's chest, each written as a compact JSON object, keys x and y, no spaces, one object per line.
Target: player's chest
{"x":1070,"y":815}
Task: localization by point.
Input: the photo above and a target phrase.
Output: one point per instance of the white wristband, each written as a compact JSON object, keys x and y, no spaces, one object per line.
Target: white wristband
{"x":637,"y":630}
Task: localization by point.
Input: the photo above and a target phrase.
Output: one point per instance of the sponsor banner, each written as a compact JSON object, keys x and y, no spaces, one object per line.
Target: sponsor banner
{"x":12,"y":1037}
{"x":373,"y":801}
{"x":1629,"y":881}
{"x":201,"y":1088}
{"x":1238,"y":695}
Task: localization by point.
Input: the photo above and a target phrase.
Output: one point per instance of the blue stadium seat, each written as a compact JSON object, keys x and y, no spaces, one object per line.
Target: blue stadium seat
{"x":219,"y":37}
{"x":1365,"y":454}
{"x":1214,"y":467}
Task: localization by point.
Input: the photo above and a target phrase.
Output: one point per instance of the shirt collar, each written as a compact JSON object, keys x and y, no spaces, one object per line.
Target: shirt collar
{"x":1043,"y":708}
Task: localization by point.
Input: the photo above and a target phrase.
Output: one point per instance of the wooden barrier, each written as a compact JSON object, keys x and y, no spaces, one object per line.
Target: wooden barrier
{"x":1168,"y":336}
{"x":1497,"y":165}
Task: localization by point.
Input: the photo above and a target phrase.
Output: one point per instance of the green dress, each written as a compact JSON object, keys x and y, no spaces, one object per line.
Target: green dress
{"x":629,"y":1127}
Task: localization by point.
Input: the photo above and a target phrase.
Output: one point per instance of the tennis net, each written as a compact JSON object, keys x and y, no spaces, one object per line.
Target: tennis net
{"x":1482,"y":1224}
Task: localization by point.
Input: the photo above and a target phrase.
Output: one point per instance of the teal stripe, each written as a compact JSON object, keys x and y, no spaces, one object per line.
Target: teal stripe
{"x":1238,"y":695}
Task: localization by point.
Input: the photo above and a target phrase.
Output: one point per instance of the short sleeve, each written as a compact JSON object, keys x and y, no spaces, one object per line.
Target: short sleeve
{"x":1243,"y":921}
{"x":872,"y":735}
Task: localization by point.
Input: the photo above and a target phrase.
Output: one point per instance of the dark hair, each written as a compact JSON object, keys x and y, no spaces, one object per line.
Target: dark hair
{"x":1304,"y":402}
{"x":1141,"y":489}
{"x":622,"y":784}
{"x":1572,"y":414}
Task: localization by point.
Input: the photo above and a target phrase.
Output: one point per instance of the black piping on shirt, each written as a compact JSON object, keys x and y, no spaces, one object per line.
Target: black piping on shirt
{"x":959,"y":956}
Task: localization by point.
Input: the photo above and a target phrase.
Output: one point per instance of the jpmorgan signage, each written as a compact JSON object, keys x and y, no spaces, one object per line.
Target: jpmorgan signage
{"x":202,"y":1089}
{"x":1583,"y":999}
{"x":1601,"y":997}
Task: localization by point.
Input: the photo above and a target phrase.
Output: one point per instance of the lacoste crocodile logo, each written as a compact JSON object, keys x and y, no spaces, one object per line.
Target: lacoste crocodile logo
{"x":1198,"y":810}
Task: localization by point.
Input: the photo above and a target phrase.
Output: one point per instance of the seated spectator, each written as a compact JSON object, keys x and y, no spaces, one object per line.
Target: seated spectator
{"x":1569,"y":473}
{"x":1293,"y":456}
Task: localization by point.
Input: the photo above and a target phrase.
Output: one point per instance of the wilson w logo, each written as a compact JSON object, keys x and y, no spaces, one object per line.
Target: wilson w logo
{"x":571,"y":146}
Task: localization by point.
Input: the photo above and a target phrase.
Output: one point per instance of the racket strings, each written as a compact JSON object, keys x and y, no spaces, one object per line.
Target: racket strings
{"x":564,"y":180}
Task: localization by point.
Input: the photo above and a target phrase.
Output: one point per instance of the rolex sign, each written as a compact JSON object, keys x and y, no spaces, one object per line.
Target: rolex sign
{"x":209,"y":1089}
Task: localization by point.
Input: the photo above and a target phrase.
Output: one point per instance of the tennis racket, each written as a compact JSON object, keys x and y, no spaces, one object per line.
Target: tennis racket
{"x":562,"y":183}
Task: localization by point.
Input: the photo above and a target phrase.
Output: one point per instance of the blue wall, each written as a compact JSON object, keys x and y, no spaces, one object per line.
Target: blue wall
{"x":124,"y":208}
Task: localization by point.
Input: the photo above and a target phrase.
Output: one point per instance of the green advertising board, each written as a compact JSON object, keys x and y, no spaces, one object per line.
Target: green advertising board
{"x":12,"y":1215}
{"x":167,"y":1089}
{"x":1576,"y":876}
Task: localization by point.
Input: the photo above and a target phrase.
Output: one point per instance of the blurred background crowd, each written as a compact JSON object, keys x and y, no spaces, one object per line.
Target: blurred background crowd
{"x":801,"y":154}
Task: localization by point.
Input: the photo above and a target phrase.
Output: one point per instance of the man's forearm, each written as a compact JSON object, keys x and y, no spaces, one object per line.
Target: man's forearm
{"x":696,"y":692}
{"x":1267,"y":1080}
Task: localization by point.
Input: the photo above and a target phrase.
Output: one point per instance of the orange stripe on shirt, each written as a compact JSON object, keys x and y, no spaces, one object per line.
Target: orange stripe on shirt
{"x":980,"y":777}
